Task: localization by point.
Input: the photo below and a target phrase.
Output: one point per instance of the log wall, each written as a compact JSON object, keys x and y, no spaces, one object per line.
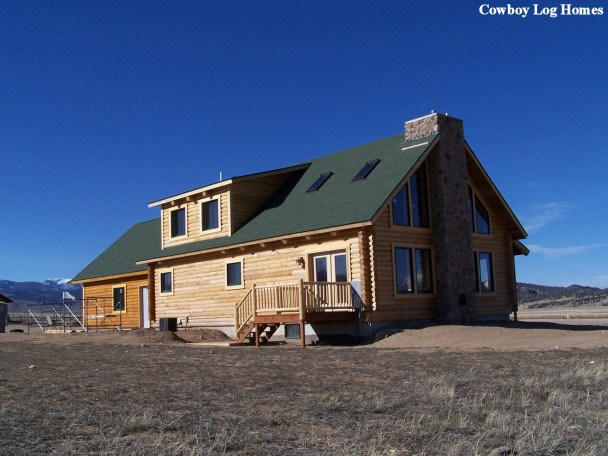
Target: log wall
{"x":130,"y":318}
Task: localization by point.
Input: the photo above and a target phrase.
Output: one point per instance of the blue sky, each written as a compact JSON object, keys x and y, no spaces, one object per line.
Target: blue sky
{"x":108,"y":105}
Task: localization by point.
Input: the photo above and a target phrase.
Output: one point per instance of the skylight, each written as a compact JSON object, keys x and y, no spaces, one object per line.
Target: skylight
{"x":316,"y":185}
{"x":367,"y":168}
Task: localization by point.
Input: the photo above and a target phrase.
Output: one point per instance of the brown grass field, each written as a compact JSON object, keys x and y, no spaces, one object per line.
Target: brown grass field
{"x":434,"y":395}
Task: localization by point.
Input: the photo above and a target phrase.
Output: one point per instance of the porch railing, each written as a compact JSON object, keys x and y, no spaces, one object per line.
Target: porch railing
{"x":300,"y":297}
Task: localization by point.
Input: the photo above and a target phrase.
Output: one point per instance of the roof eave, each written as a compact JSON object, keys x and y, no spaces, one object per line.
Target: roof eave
{"x":255,"y":242}
{"x":519,"y":227}
{"x":227,"y":182}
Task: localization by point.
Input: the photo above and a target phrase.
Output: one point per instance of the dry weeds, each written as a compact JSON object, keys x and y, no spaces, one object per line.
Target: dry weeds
{"x":182,"y":400}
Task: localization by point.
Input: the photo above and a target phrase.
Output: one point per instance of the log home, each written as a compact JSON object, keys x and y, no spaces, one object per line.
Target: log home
{"x":403,"y":229}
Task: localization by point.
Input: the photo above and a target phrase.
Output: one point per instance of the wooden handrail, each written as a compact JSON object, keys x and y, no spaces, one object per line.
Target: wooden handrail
{"x":300,"y":297}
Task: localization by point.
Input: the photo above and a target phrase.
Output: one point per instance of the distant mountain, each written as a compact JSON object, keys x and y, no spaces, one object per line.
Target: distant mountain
{"x":49,"y":291}
{"x":538,"y":296}
{"x":529,"y":295}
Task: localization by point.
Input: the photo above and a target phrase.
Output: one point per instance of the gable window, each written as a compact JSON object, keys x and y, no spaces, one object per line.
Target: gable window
{"x":210,"y":214}
{"x":166,"y":282}
{"x":234,"y":274}
{"x":178,"y":222}
{"x":366,"y":170}
{"x":119,"y":295}
{"x":413,"y":270}
{"x":316,"y":185}
{"x":484,"y":272}
{"x":410,"y":206}
{"x":480,"y":217}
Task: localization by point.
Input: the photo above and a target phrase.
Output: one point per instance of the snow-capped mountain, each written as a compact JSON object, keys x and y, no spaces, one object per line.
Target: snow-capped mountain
{"x":50,"y":290}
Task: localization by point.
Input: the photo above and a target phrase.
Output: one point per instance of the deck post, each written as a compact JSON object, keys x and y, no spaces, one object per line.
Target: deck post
{"x":254,"y":301}
{"x":302,"y":307}
{"x":301,"y":304}
{"x":257,"y":335}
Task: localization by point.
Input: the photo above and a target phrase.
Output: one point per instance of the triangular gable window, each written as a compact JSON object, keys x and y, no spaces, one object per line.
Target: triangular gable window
{"x":316,"y":185}
{"x":367,"y":168}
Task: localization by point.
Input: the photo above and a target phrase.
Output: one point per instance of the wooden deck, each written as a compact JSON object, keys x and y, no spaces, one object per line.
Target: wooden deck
{"x":264,"y":309}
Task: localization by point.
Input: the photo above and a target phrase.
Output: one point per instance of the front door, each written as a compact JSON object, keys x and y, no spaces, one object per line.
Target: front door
{"x":330,"y":267}
{"x":144,"y":316}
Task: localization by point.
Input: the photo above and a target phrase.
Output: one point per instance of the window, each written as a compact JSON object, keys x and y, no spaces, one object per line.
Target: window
{"x":414,"y":212}
{"x":234,"y":274}
{"x":316,"y":185}
{"x":119,"y":299}
{"x":480,"y":217}
{"x":367,"y":168}
{"x":178,"y":222}
{"x":400,"y":207}
{"x":413,"y":270}
{"x":292,"y":331}
{"x":210,"y":214}
{"x":420,"y":206}
{"x":484,"y":272}
{"x":166,"y":282}
{"x":330,"y":267}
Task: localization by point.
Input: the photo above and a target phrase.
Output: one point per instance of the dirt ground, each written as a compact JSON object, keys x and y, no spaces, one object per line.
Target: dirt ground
{"x":538,"y":388}
{"x":524,"y":335}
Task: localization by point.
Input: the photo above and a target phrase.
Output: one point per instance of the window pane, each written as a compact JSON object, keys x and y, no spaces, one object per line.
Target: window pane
{"x":321,"y":269}
{"x":178,"y":222}
{"x":316,"y":185}
{"x":367,"y":168}
{"x":166,"y":282}
{"x":482,"y":218}
{"x":424,"y":271}
{"x":340,"y":268}
{"x":403,"y":270}
{"x":471,"y":210}
{"x":119,"y":298}
{"x":420,"y":206}
{"x":401,"y":215}
{"x":233,"y":274}
{"x":486,"y":278}
{"x":211,"y":219}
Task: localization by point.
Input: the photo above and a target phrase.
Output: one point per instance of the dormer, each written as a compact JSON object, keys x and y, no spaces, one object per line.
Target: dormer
{"x":219,"y":209}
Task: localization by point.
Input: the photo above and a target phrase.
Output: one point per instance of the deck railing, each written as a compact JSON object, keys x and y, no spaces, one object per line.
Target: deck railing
{"x":300,"y":297}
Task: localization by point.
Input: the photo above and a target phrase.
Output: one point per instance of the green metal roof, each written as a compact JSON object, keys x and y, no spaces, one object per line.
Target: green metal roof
{"x":339,"y":201}
{"x":142,"y":239}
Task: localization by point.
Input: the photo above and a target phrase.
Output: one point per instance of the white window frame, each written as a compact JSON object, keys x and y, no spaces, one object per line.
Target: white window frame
{"x":330,"y":257}
{"x":242,"y":284}
{"x":160,"y":281}
{"x":219,"y":214}
{"x":173,"y":209}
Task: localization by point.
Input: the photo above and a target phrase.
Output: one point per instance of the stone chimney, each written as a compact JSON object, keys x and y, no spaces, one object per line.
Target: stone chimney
{"x":450,"y":217}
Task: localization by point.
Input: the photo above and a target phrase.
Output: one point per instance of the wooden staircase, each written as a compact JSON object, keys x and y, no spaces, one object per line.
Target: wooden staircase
{"x":264,"y":309}
{"x":257,"y":334}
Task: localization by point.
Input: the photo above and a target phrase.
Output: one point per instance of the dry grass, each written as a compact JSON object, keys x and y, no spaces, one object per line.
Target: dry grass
{"x":181,"y":400}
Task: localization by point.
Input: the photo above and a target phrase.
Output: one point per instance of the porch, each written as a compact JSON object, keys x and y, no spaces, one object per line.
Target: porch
{"x":265,"y":308}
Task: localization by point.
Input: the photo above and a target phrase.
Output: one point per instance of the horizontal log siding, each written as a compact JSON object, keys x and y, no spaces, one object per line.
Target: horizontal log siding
{"x":194,"y":223}
{"x":103,"y":289}
{"x":248,"y":196}
{"x":200,"y":284}
{"x":387,"y":305}
{"x":499,"y":302}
